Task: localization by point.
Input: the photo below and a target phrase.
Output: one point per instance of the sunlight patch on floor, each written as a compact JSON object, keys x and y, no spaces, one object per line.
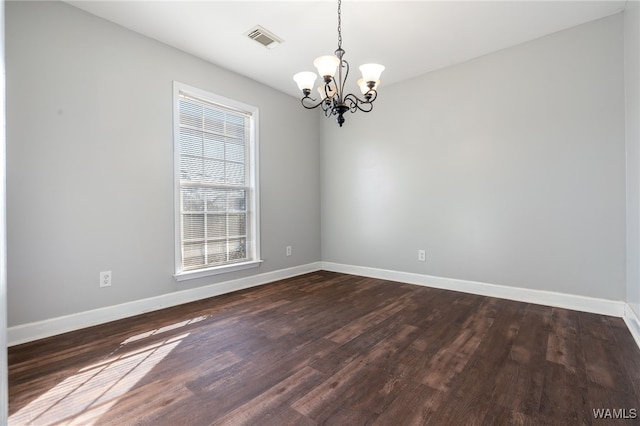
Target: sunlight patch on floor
{"x":85,"y":396}
{"x":163,"y":329}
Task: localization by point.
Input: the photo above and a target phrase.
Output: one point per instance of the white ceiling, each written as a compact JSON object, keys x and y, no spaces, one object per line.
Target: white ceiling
{"x":409,"y":37}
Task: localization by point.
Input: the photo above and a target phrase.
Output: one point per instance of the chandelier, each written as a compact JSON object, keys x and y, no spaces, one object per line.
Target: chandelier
{"x":332,"y":100}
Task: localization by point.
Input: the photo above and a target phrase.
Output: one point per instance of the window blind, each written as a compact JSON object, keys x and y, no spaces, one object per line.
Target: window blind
{"x":214,"y":183}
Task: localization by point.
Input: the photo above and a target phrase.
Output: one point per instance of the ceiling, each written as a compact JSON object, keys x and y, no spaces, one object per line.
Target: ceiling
{"x":409,"y":37}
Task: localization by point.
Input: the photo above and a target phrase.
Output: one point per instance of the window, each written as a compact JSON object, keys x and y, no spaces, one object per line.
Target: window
{"x":216,"y":190}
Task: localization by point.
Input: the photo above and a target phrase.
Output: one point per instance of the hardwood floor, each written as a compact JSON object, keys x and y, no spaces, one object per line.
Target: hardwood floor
{"x":328,"y":348}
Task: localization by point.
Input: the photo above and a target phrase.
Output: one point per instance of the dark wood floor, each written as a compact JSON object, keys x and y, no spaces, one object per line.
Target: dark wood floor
{"x":335,"y":349}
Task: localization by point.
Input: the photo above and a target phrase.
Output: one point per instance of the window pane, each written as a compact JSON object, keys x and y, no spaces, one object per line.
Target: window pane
{"x":214,"y":171}
{"x":193,"y":226}
{"x":190,"y":114}
{"x":235,"y":126}
{"x":192,"y":200}
{"x":191,"y":168}
{"x":216,"y":226}
{"x":238,"y":249}
{"x":237,"y":200}
{"x":235,"y":174}
{"x":193,"y":256}
{"x":214,"y":146}
{"x":235,"y":152}
{"x":190,"y":142}
{"x":214,"y":120}
{"x":216,"y":252}
{"x":216,"y":200}
{"x":237,"y":224}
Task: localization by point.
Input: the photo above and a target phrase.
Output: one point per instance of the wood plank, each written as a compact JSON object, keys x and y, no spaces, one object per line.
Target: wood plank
{"x":451,"y":360}
{"x":265,"y":406}
{"x":561,"y":346}
{"x":473,"y":391}
{"x":520,"y":380}
{"x":341,"y":384}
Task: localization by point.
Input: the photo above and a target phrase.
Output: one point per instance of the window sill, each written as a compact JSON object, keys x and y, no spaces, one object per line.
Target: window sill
{"x":200,"y":273}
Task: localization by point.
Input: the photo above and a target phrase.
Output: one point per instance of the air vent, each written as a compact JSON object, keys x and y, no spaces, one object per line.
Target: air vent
{"x":264,"y":37}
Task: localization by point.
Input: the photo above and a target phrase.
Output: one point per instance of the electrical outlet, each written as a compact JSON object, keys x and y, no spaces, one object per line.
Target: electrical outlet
{"x":422,"y":255}
{"x":288,"y":250}
{"x":105,"y":279}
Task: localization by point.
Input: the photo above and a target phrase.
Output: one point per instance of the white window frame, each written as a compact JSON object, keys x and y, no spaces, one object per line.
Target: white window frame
{"x":253,"y":220}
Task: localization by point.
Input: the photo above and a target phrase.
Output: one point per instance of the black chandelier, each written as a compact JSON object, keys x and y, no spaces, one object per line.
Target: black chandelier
{"x":333,"y":101}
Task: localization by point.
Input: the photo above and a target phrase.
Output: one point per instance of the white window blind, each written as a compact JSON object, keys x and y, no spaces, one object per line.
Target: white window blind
{"x":216,"y":184}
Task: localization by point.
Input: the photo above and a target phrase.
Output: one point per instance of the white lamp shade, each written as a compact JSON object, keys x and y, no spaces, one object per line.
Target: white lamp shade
{"x":305,"y":79}
{"x":362,"y":84}
{"x":327,"y":65}
{"x":371,"y":72}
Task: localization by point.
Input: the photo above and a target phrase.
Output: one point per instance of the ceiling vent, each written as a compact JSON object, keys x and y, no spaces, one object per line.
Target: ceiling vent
{"x":264,"y":37}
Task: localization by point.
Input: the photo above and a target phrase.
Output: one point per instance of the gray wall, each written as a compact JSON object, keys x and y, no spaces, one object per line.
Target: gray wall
{"x":632,"y":97}
{"x":90,"y":178}
{"x":508,"y":169}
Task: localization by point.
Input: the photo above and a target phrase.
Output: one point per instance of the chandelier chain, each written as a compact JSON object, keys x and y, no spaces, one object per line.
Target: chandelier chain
{"x":339,"y":25}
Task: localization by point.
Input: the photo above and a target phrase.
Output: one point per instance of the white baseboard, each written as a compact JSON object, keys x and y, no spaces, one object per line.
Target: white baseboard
{"x":51,"y":327}
{"x":540,"y":297}
{"x":633,"y":323}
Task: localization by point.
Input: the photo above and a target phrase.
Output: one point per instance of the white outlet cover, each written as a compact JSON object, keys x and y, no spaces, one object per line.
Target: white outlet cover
{"x":105,"y":279}
{"x":422,"y":255}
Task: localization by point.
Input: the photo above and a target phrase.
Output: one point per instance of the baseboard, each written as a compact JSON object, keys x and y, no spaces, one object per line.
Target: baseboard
{"x":633,"y":323}
{"x":540,"y":297}
{"x":51,"y":327}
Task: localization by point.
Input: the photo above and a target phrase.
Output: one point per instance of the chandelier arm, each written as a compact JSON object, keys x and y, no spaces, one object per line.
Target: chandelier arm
{"x":350,"y":103}
{"x":357,"y":103}
{"x":360,"y":106}
{"x":373,"y":94}
{"x":306,"y":102}
{"x":326,"y":107}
